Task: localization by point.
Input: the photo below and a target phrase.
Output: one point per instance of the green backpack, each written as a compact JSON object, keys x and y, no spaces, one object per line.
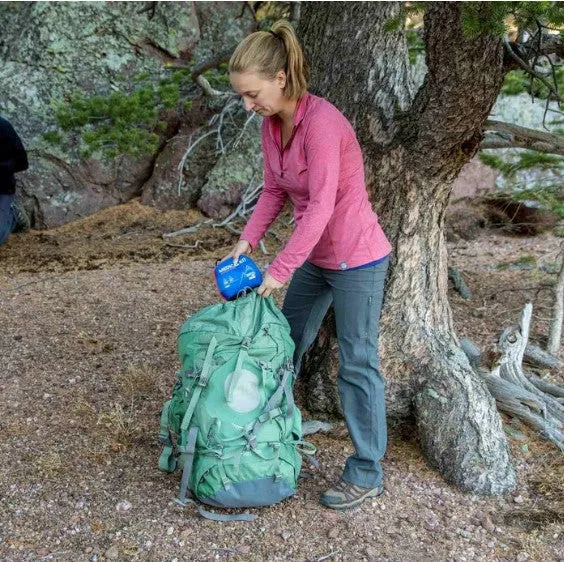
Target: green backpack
{"x":232,"y":424}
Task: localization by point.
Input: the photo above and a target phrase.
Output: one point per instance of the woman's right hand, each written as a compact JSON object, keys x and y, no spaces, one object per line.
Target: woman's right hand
{"x":242,"y":247}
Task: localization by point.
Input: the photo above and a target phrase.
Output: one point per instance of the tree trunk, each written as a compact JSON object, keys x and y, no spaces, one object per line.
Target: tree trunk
{"x":415,"y":144}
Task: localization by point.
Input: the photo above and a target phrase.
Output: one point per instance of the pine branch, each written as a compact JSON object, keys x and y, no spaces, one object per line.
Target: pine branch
{"x":213,"y":62}
{"x":515,"y":136}
{"x":553,"y":95}
{"x":198,"y":70}
{"x":552,"y":43}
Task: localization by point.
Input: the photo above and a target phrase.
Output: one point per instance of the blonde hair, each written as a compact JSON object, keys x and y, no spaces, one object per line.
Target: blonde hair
{"x":269,"y":52}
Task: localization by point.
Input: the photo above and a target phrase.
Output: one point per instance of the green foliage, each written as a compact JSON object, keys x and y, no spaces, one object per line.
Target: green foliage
{"x":531,"y":159}
{"x":487,"y":18}
{"x":395,"y":23}
{"x":493,"y":18}
{"x":169,"y":94}
{"x":114,"y":124}
{"x":408,"y":15}
{"x":415,"y":44}
{"x":142,"y":76}
{"x":526,"y":14}
{"x":515,"y":82}
{"x":527,"y":260}
{"x":217,"y":77}
{"x":549,"y":197}
{"x":526,"y":160}
{"x":409,"y":19}
{"x":53,"y":137}
{"x":518,"y":81}
{"x":479,"y":18}
{"x":491,"y":160}
{"x":121,"y":122}
{"x":494,"y":161}
{"x":269,"y":12}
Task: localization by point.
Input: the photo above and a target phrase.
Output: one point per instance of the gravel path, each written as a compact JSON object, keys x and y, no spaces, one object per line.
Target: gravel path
{"x":87,"y":358}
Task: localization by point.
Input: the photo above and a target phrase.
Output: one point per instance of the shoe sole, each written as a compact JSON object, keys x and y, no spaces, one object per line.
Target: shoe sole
{"x":374,"y":493}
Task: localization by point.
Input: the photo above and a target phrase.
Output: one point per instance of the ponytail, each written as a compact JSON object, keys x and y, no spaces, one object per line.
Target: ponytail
{"x":269,"y":52}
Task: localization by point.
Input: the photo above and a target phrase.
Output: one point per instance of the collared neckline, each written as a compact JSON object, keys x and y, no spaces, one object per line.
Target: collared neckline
{"x":299,"y":114}
{"x":301,"y":108}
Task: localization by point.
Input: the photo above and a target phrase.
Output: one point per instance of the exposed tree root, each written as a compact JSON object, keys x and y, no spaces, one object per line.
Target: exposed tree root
{"x":523,"y":395}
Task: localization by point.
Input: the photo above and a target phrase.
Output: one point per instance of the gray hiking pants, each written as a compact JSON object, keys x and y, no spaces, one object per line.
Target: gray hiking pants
{"x":357,"y":299}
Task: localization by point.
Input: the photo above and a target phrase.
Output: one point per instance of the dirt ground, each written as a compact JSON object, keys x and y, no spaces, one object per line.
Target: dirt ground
{"x":89,"y":315}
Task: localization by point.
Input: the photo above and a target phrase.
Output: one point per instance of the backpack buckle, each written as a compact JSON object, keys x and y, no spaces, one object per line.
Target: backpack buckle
{"x":251,"y":442}
{"x":164,"y":439}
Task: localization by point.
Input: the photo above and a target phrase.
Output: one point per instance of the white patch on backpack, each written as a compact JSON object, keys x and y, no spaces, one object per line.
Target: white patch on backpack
{"x":246,"y":395}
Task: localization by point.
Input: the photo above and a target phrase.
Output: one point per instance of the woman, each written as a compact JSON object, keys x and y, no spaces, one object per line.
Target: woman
{"x":337,"y":253}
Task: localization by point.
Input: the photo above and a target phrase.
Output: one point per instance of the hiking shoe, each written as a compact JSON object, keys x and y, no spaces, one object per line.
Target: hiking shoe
{"x":23,"y":223}
{"x":345,"y":495}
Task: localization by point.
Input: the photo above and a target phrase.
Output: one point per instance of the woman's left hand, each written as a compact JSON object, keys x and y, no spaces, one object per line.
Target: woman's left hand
{"x":269,"y":284}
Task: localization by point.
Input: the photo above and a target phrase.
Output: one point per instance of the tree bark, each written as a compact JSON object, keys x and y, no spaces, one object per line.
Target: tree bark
{"x":415,"y":144}
{"x":555,"y":331}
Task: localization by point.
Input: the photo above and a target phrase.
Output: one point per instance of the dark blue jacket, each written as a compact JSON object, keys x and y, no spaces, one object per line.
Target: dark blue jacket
{"x":13,"y":157}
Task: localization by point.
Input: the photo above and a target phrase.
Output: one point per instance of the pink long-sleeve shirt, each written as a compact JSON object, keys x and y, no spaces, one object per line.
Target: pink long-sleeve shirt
{"x":322,"y":171}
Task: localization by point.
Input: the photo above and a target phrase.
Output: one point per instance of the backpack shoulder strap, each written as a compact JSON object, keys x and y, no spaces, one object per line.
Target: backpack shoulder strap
{"x":167,"y":460}
{"x":188,"y":451}
{"x":202,"y":382}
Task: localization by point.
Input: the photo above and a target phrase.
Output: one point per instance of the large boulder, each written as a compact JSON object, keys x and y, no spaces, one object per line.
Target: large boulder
{"x":195,"y":168}
{"x":236,"y":170}
{"x":51,"y":50}
{"x":177,"y":177}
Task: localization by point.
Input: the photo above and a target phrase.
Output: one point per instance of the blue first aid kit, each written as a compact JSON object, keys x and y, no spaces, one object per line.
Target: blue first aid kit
{"x":235,"y":279}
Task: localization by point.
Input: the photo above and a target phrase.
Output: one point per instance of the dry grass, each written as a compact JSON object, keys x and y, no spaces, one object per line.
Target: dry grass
{"x":127,"y":420}
{"x":533,"y":519}
{"x":128,"y":233}
{"x":548,"y":481}
{"x":138,"y":381}
{"x":118,"y":426}
{"x":17,"y":429}
{"x":82,"y":408}
{"x":536,"y":543}
{"x":50,"y":464}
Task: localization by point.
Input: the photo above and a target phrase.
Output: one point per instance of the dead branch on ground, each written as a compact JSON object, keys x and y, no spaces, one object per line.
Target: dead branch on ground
{"x":522,"y":395}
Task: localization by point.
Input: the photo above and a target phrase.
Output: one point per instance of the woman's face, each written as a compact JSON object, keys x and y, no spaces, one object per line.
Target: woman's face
{"x":261,"y":95}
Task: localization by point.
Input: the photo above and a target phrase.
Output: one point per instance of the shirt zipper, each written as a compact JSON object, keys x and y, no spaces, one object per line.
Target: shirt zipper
{"x":282,"y":149}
